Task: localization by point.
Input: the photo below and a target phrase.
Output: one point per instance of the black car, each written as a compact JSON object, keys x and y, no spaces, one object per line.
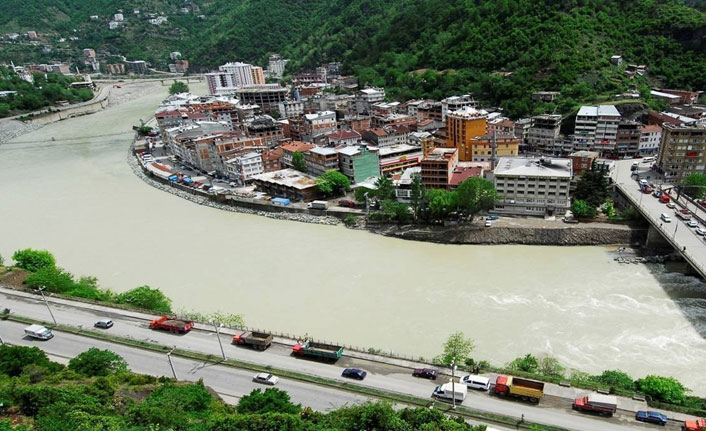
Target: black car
{"x":426,"y":373}
{"x":354,"y":373}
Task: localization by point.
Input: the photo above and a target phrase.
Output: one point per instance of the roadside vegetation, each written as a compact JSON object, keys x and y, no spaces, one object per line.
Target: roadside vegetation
{"x":40,"y":272}
{"x":46,"y":90}
{"x":694,"y":186}
{"x":96,"y":391}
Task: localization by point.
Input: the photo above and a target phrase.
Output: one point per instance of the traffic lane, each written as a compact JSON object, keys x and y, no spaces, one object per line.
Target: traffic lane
{"x":230,"y":381}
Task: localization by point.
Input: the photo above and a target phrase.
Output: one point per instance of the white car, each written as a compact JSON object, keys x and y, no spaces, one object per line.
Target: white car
{"x":700,"y":231}
{"x":692,"y":223}
{"x":671,"y":205}
{"x":488,"y":223}
{"x":266,"y":379}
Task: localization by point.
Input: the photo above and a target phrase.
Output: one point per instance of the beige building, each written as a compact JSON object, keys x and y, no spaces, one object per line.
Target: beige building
{"x":682,"y":150}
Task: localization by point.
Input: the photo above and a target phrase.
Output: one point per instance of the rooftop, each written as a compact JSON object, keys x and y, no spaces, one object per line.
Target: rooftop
{"x":469,"y":113}
{"x":324,"y":151}
{"x":297,"y":146}
{"x":533,"y":167}
{"x":462,"y":173}
{"x":288,"y":178}
{"x":400,"y":148}
{"x":344,"y":134}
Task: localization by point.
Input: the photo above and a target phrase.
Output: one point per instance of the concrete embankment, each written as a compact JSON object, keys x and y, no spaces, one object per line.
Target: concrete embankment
{"x":588,"y":234}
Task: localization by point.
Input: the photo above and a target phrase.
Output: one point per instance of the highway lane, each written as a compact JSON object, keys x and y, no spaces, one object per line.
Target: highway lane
{"x":397,"y":379}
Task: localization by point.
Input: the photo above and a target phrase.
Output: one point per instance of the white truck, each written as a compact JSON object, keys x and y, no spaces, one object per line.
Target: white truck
{"x":39,"y":332}
{"x":449,"y":391}
{"x":317,"y":205}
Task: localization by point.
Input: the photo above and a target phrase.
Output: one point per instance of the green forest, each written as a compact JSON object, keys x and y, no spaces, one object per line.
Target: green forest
{"x":96,"y":391}
{"x":46,"y":90}
{"x":500,"y":50}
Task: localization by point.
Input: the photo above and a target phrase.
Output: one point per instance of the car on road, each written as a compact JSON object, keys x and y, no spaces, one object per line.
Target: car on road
{"x":692,"y":223}
{"x":266,"y":379}
{"x":700,"y":231}
{"x":665,"y":218}
{"x":570,"y":220}
{"x":488,"y":223}
{"x":346,"y":203}
{"x":657,"y":193}
{"x":671,"y":205}
{"x":651,"y":417}
{"x":354,"y":373}
{"x":492,"y":217}
{"x":425,"y":373}
{"x":104,"y":323}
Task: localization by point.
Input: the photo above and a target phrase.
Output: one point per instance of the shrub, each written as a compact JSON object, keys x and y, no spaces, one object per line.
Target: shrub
{"x":147,"y":298}
{"x":665,"y":389}
{"x":615,"y":379}
{"x":33,"y":260}
{"x":271,"y":400}
{"x":13,"y":359}
{"x":528,"y":364}
{"x":96,"y":362}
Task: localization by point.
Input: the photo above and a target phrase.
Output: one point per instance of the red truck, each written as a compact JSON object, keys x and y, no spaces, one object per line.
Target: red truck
{"x":601,"y":404}
{"x":257,"y":340}
{"x":664,"y":199}
{"x":172,"y":324}
{"x":695,"y":425}
{"x":515,"y":387}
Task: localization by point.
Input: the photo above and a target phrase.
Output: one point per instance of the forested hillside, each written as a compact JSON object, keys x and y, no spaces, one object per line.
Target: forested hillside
{"x":414,"y":47}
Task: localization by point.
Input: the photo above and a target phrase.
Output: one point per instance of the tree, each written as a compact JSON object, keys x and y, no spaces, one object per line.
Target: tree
{"x":441,"y":203}
{"x":550,"y":367}
{"x":416,"y":195}
{"x":385,"y":189}
{"x":694,"y":186}
{"x":582,"y":209}
{"x":13,"y":359}
{"x":395,"y":210}
{"x":615,"y":379}
{"x":528,"y":364}
{"x":592,"y":187}
{"x":665,"y":389}
{"x":333,"y":183}
{"x":95,"y":362}
{"x":147,"y":298}
{"x":475,"y":195}
{"x":271,"y":400}
{"x":457,"y":347}
{"x":298,"y":162}
{"x":178,"y":87}
{"x":33,"y":260}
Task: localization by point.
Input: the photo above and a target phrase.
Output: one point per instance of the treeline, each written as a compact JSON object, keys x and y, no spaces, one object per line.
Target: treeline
{"x":46,"y":90}
{"x":96,"y":391}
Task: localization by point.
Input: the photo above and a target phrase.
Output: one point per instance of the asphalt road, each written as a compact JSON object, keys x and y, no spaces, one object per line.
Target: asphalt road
{"x":387,"y":377}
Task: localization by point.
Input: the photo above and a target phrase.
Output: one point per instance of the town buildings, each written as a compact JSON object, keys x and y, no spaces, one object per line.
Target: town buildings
{"x":367,"y":97}
{"x":682,"y":150}
{"x":244,"y":168}
{"x":319,"y":160}
{"x":596,"y":128}
{"x":288,"y":183}
{"x":532,"y":186}
{"x":359,"y":163}
{"x":543,"y":134}
{"x":456,"y":103}
{"x":267,"y":96}
{"x":582,"y":161}
{"x":650,"y":137}
{"x":462,"y":127}
{"x":438,"y":166}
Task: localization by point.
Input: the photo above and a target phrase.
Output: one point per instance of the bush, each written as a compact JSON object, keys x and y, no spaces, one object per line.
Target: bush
{"x":147,"y":298}
{"x":2,"y":261}
{"x":582,"y":209}
{"x":33,"y":260}
{"x":170,"y":406}
{"x":96,"y":362}
{"x":53,"y":278}
{"x":333,"y":183}
{"x":528,"y":364}
{"x":615,"y":379}
{"x":271,"y":400}
{"x":665,"y":389}
{"x":550,"y":367}
{"x":13,"y":359}
{"x":350,"y":220}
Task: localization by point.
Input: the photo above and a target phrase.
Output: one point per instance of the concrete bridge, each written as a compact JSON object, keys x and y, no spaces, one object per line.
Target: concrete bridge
{"x":682,"y":238}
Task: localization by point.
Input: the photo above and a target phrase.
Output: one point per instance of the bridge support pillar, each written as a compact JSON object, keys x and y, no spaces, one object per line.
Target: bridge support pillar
{"x":655,"y":240}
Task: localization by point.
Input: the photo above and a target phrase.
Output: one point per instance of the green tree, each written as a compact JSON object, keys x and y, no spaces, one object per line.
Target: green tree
{"x":457,"y":347}
{"x":441,"y":203}
{"x":271,"y":400}
{"x":333,"y":183}
{"x":2,"y":261}
{"x":665,"y":389}
{"x":178,"y":87}
{"x":395,"y":210}
{"x":582,"y":209}
{"x":475,"y":195}
{"x":384,"y":189}
{"x":96,"y":362}
{"x":550,"y":367}
{"x":33,"y":260}
{"x":528,"y":364}
{"x":13,"y":359}
{"x":298,"y":161}
{"x":592,"y":187}
{"x":615,"y":379}
{"x":147,"y":298}
{"x":416,"y":196}
{"x":694,"y":185}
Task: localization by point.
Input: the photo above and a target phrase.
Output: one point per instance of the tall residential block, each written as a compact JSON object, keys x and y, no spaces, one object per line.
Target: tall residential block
{"x":543,"y":134}
{"x":462,"y":127}
{"x":682,"y":150}
{"x":596,"y":128}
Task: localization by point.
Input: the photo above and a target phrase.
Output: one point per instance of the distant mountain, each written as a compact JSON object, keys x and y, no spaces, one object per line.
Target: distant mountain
{"x":416,"y":48}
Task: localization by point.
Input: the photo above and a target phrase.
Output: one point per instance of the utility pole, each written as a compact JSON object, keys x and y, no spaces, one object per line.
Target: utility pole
{"x":453,"y":381}
{"x":171,"y":365}
{"x":41,"y":291}
{"x":220,"y":343}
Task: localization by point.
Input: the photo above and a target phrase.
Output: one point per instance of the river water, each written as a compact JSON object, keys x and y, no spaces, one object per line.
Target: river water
{"x":77,"y":197}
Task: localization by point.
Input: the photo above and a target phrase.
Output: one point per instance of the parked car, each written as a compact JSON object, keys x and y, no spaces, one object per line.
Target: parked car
{"x":657,"y":193}
{"x":425,"y":373}
{"x":651,"y":417}
{"x":671,"y":205}
{"x":488,"y":223}
{"x":476,"y":382}
{"x":692,"y":223}
{"x":104,"y":323}
{"x":266,"y":379}
{"x":492,"y":217}
{"x":570,"y":220}
{"x":354,"y":373}
{"x":700,"y":231}
{"x":346,"y":203}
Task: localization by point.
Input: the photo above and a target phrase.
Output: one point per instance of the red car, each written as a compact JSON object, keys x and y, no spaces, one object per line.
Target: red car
{"x":425,"y":373}
{"x":346,"y":203}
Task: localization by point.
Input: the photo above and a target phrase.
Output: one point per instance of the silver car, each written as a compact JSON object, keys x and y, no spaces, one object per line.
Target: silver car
{"x":104,"y":323}
{"x":266,"y":378}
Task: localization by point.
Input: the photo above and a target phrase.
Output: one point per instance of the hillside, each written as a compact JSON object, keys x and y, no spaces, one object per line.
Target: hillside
{"x":453,"y":45}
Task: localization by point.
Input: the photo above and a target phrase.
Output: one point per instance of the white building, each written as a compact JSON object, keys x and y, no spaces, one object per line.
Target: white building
{"x":244,"y":168}
{"x":532,"y":186}
{"x":368,"y":97}
{"x":455,"y":103}
{"x":276,"y":65}
{"x":230,"y":77}
{"x":596,"y":128}
{"x":112,"y":25}
{"x":118,"y":17}
{"x":291,"y":108}
{"x":650,"y":137}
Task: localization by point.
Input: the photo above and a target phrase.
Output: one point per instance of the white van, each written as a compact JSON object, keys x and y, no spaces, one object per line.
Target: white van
{"x":39,"y":332}
{"x":476,"y":382}
{"x":665,"y":218}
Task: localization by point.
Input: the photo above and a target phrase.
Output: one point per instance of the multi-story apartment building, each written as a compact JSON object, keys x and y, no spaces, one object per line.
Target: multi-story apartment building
{"x":321,"y":159}
{"x":393,"y":120}
{"x":230,"y":77}
{"x":317,"y":125}
{"x":258,"y":75}
{"x":682,"y":150}
{"x":359,"y":163}
{"x":522,"y":127}
{"x":596,"y":128}
{"x":266,"y":128}
{"x":650,"y":137}
{"x":276,"y":65}
{"x":271,"y":159}
{"x":424,"y":140}
{"x":244,"y":167}
{"x":343,"y":137}
{"x":387,"y":136}
{"x":367,"y":97}
{"x":456,"y":103}
{"x":488,"y":148}
{"x":290,"y":148}
{"x":267,"y":96}
{"x":582,"y":161}
{"x":627,"y":140}
{"x":462,"y":127}
{"x":538,"y":187}
{"x":501,"y":126}
{"x":438,"y":166}
{"x":543,"y":135}
{"x":397,"y":158}
{"x":290,"y":108}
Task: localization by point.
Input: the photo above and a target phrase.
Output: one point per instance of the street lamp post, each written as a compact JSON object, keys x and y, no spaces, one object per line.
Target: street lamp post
{"x":220,"y":343}
{"x":453,"y":382}
{"x":41,"y":291}
{"x":171,"y":365}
